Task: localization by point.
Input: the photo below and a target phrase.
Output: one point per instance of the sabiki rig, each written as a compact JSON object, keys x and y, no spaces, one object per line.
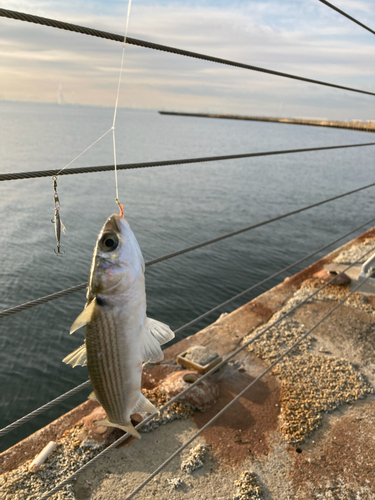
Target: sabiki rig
{"x":119,"y":337}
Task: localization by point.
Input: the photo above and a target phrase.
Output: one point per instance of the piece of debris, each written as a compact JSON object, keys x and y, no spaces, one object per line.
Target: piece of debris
{"x":201,"y":397}
{"x":247,"y":487}
{"x":200,"y":354}
{"x":325,"y":275}
{"x":195,"y":460}
{"x":42,"y":457}
{"x":199,"y":358}
{"x":176,"y":482}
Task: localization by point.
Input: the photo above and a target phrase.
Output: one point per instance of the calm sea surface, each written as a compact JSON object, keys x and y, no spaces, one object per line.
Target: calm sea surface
{"x":168,"y":208}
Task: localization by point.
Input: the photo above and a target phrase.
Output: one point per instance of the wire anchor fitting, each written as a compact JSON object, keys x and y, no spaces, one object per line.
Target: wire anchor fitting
{"x":368,"y":271}
{"x":57,"y":219}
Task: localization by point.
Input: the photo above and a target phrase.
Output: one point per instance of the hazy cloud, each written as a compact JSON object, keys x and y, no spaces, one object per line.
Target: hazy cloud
{"x":304,"y":38}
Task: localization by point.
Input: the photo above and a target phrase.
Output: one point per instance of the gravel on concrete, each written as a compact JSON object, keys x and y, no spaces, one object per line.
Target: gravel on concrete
{"x":70,"y":454}
{"x":312,"y":384}
{"x":195,"y":460}
{"x":248,"y":487}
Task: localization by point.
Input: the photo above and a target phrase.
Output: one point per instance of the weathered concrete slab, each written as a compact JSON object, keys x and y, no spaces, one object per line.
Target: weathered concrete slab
{"x":302,"y":429}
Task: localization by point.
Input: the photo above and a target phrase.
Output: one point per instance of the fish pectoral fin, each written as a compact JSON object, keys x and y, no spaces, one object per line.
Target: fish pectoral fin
{"x":127,"y":428}
{"x":143,"y":404}
{"x":84,"y":317}
{"x":77,"y":357}
{"x":160,"y":331}
{"x":92,"y":396}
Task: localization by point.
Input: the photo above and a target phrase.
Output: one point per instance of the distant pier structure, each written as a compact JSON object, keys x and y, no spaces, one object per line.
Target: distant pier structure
{"x":368,"y":126}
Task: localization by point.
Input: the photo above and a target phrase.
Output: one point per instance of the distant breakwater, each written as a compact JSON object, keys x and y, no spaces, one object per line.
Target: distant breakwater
{"x":368,"y":126}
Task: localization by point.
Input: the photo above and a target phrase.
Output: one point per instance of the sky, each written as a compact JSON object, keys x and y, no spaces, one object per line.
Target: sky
{"x":302,"y":37}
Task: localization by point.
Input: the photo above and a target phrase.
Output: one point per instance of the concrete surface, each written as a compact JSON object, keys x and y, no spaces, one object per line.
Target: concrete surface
{"x":304,"y":431}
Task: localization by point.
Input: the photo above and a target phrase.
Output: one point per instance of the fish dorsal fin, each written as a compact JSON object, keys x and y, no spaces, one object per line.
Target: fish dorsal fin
{"x":84,"y":317}
{"x":154,"y":334}
{"x":143,"y":404}
{"x":77,"y":357}
{"x":160,"y":331}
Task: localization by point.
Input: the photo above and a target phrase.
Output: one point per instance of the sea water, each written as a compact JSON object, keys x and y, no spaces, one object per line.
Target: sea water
{"x":169,"y":208}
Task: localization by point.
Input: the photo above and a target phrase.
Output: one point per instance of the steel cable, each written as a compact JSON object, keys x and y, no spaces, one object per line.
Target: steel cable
{"x":62,"y":293}
{"x":42,"y":300}
{"x":217,"y":367}
{"x":11,"y":14}
{"x":80,"y":387}
{"x":234,"y":400}
{"x":44,"y":408}
{"x":347,"y":15}
{"x":127,"y":166}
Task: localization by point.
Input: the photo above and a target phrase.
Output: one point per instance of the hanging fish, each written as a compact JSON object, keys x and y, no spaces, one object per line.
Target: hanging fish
{"x":119,"y":336}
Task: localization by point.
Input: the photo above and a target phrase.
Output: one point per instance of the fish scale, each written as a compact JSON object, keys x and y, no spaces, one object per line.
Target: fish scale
{"x":105,"y":370}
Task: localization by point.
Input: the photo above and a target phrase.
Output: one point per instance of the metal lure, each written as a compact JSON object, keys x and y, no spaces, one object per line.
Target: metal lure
{"x":57,"y":219}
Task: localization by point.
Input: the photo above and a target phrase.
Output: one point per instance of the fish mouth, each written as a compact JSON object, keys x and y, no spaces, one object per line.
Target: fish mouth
{"x":113,"y":223}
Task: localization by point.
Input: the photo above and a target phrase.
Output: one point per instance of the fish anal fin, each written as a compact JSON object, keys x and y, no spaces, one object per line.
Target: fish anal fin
{"x":127,"y":428}
{"x":84,"y":317}
{"x":77,"y":357}
{"x":92,"y":396}
{"x":160,"y":331}
{"x":144,"y":405}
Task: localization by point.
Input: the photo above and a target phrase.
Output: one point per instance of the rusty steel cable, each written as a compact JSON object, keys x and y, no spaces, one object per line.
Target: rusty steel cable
{"x":21,"y":16}
{"x":217,"y":367}
{"x":84,"y":385}
{"x":347,"y":16}
{"x":62,"y":293}
{"x":127,"y":166}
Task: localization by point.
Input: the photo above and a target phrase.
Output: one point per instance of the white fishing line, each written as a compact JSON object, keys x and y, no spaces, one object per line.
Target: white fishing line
{"x":84,"y":151}
{"x":117,"y":98}
{"x":114,"y":114}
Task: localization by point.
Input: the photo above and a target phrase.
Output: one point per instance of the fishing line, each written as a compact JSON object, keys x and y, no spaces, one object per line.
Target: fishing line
{"x":57,"y":219}
{"x":116,"y":106}
{"x":59,"y":226}
{"x":84,"y":151}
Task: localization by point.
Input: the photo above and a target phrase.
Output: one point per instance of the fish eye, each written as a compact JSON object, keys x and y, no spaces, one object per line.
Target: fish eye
{"x":109,"y":242}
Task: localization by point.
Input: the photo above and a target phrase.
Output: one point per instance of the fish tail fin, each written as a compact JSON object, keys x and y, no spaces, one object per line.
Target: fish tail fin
{"x":127,"y":428}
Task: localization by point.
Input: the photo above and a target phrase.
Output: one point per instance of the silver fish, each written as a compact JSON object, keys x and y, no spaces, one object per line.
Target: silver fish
{"x":119,"y":336}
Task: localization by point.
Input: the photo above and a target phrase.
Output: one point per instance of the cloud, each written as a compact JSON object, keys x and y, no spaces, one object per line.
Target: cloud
{"x":290,"y":36}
